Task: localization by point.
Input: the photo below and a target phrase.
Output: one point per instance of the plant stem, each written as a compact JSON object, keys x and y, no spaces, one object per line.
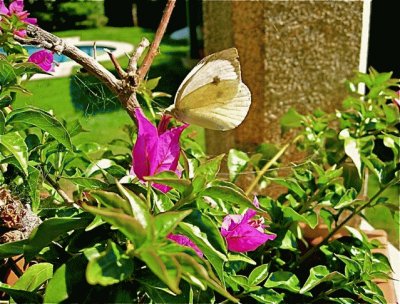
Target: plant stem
{"x":310,"y":252}
{"x":269,"y":164}
{"x":57,"y":187}
{"x":153,"y":51}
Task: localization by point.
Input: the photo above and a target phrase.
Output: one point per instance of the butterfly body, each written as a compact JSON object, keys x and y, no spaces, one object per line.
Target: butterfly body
{"x":213,"y":95}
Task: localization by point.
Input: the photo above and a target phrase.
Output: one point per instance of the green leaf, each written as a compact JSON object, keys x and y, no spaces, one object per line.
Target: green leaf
{"x":49,"y":231}
{"x":34,"y":177}
{"x":292,"y":119}
{"x":351,"y":177}
{"x":267,"y":296}
{"x":241,"y":281}
{"x":237,"y":162}
{"x":128,"y":225}
{"x":20,"y":296}
{"x":170,"y":179}
{"x":210,"y":168}
{"x":209,"y":226}
{"x":259,"y":274}
{"x":12,"y":249}
{"x":2,"y":123}
{"x":200,"y":238}
{"x":5,"y":101}
{"x":347,"y":199}
{"x":139,"y":208}
{"x":111,"y":267}
{"x":151,"y":84}
{"x":284,"y":280}
{"x":228,"y":195}
{"x":43,"y":120}
{"x":28,"y":68}
{"x":87,"y":183}
{"x":320,"y":274}
{"x":391,"y":113}
{"x":34,"y":277}
{"x":310,"y":217}
{"x":68,"y":279}
{"x":352,"y":149}
{"x":292,"y":185}
{"x":192,"y":271}
{"x":7,"y":74}
{"x":167,"y":270}
{"x":289,"y":241}
{"x":112,"y":200}
{"x":235,"y":257}
{"x":14,"y":143}
{"x":166,"y":222}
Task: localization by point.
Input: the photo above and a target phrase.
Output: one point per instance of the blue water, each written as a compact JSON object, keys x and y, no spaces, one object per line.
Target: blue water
{"x":88,"y":49}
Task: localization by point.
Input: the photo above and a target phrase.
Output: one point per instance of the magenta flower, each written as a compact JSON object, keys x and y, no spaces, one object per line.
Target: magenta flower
{"x":397,"y":100}
{"x":243,"y":233}
{"x":155,"y":150}
{"x":17,"y":8}
{"x":44,"y":59}
{"x":185,"y":241}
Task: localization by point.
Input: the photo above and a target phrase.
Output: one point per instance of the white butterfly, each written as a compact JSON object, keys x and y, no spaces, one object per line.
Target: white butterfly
{"x":213,"y":95}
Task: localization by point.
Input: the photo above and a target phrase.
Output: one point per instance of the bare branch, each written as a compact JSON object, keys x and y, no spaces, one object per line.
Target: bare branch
{"x":132,"y":66}
{"x":122,"y":88}
{"x":116,"y":64}
{"x":51,"y":42}
{"x":153,"y":51}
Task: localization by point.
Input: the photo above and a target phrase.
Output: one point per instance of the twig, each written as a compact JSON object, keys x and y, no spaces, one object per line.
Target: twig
{"x":95,"y":50}
{"x":310,"y":252}
{"x":133,"y":60}
{"x":51,"y":42}
{"x":269,"y":164}
{"x":116,"y":64}
{"x":61,"y":192}
{"x":144,"y":68}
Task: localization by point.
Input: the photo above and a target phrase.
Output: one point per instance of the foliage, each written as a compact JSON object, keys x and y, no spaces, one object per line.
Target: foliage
{"x":111,"y":235}
{"x":63,"y":15}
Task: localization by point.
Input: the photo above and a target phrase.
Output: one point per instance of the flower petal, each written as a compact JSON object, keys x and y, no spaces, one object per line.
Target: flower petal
{"x":246,"y":238}
{"x":185,"y":241}
{"x":169,"y":149}
{"x":144,"y":156}
{"x":16,"y":6}
{"x":44,"y":59}
{"x":3,"y":9}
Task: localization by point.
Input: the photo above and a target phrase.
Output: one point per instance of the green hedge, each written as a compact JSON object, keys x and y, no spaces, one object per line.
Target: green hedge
{"x":64,"y":15}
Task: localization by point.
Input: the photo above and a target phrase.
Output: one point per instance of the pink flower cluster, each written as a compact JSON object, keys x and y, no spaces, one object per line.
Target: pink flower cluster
{"x":243,"y":232}
{"x":156,"y":149}
{"x":44,"y":59}
{"x":17,"y":8}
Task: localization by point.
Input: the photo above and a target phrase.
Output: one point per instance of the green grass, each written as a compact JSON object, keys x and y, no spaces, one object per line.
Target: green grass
{"x":55,"y":94}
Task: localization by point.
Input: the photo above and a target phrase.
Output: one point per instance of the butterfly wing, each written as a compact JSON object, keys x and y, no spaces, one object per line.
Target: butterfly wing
{"x":224,"y":65}
{"x":216,"y":113}
{"x":212,"y":94}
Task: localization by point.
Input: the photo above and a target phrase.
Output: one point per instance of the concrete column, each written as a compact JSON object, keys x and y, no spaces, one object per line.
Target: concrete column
{"x":293,"y":54}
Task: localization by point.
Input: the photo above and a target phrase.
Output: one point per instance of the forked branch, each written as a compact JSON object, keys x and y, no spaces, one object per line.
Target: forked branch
{"x":126,"y":86}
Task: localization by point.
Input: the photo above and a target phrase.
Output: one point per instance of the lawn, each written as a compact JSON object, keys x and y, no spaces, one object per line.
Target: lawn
{"x":57,"y":94}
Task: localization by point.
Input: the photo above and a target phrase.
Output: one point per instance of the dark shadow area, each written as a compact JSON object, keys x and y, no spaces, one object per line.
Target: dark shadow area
{"x":90,"y":96}
{"x":149,"y":14}
{"x":383,"y":54}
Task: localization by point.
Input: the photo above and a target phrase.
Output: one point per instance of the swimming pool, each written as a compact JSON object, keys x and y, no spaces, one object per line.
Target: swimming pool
{"x":88,"y":49}
{"x":65,"y":65}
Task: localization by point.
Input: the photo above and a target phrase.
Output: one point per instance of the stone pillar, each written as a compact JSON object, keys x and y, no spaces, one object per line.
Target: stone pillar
{"x":293,"y":54}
